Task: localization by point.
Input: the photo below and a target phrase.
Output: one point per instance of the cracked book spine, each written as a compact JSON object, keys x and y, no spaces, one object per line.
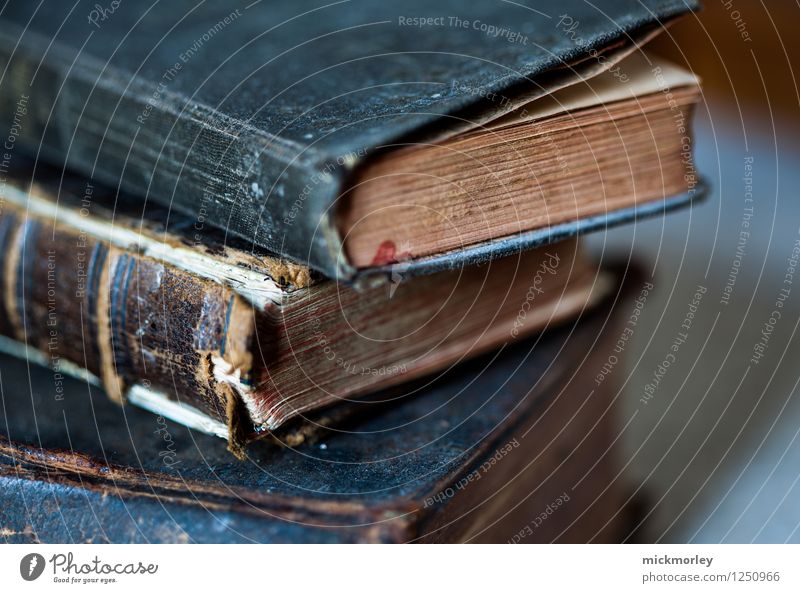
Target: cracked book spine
{"x":126,"y":318}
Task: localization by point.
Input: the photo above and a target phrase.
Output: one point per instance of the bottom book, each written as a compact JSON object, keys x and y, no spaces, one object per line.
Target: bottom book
{"x":517,"y":446}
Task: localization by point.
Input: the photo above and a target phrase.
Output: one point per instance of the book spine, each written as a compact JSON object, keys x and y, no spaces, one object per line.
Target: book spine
{"x":126,"y":318}
{"x":135,"y":134}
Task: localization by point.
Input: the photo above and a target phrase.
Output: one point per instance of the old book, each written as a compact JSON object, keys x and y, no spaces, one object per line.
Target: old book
{"x":351,"y":136}
{"x":237,"y":343}
{"x":516,"y":446}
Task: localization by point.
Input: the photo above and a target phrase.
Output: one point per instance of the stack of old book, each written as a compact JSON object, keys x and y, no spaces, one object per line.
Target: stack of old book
{"x":284,"y":230}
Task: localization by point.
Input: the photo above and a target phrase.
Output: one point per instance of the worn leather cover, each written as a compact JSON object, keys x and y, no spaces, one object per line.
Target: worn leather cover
{"x":125,"y":317}
{"x":254,"y":116}
{"x":476,"y":456}
{"x":204,"y":333}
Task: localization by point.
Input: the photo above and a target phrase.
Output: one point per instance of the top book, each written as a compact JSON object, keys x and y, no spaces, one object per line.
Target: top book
{"x":353,"y":136}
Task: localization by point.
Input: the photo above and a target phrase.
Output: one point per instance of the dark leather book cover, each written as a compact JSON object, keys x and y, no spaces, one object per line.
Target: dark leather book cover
{"x":210,"y":336}
{"x":254,"y":116}
{"x":515,"y":447}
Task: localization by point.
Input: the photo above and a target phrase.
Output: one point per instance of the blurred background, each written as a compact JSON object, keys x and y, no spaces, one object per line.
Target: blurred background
{"x":714,"y":455}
